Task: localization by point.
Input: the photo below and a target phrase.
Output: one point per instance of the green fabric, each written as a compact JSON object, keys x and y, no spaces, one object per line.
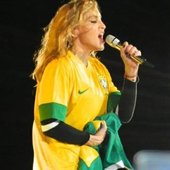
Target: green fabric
{"x":113,"y":101}
{"x":52,"y":110}
{"x":111,"y":150}
{"x":96,"y":165}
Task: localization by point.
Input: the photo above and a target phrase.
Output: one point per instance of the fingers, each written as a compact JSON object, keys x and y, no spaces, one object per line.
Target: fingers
{"x":102,"y":130}
{"x":138,"y":53}
{"x":98,"y":138}
{"x":103,"y":126}
{"x":131,"y":50}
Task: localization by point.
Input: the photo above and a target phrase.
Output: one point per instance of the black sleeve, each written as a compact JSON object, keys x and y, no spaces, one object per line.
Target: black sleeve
{"x":127,"y":101}
{"x":67,"y":134}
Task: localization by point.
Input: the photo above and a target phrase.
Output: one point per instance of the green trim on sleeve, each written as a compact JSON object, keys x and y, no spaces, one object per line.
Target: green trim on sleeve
{"x":52,"y":110}
{"x":113,"y":101}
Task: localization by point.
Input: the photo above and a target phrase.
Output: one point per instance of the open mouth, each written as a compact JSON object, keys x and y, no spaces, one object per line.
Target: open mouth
{"x":101,"y":37}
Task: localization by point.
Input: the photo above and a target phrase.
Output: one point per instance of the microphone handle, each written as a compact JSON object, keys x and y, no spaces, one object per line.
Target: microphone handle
{"x":139,"y":60}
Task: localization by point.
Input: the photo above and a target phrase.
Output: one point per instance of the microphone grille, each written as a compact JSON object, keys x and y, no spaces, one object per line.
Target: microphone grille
{"x":112,"y":40}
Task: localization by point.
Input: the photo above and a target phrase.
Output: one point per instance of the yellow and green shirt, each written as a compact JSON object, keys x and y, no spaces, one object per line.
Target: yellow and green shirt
{"x":75,"y":94}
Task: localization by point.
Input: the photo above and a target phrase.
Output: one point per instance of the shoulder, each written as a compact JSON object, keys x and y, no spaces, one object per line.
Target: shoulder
{"x":60,"y":63}
{"x":58,"y":67}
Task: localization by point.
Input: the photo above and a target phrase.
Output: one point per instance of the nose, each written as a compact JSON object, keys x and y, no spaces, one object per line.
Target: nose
{"x":102,"y":25}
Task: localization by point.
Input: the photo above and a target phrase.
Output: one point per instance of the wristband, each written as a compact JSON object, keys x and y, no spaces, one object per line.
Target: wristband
{"x":131,"y":78}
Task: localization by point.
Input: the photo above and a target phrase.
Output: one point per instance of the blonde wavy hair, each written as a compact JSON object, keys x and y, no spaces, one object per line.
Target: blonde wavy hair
{"x":58,"y":37}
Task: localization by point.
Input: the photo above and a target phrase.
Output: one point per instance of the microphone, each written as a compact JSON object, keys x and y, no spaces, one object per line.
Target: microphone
{"x":115,"y":43}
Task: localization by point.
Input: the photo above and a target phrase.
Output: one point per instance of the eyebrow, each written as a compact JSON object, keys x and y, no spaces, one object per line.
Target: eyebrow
{"x":94,"y":16}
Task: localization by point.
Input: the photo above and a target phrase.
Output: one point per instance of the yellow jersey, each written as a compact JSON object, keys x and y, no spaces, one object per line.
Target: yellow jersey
{"x":75,"y":94}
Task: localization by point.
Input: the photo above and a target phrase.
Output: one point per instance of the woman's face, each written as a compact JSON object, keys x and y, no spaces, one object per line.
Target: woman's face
{"x":90,"y":32}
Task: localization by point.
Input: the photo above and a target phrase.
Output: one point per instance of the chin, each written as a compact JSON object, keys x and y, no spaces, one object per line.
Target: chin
{"x":101,"y":48}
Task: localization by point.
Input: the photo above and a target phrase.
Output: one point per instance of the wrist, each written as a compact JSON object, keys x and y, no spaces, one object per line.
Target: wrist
{"x":90,"y":142}
{"x":132,"y":78}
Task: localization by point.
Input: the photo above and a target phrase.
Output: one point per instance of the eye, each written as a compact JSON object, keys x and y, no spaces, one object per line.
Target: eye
{"x":93,"y":21}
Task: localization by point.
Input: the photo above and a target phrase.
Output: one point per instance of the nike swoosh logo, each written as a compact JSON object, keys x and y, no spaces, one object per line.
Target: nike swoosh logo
{"x":82,"y":91}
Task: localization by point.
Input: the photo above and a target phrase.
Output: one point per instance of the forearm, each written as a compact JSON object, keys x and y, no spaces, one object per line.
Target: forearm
{"x":127,"y":101}
{"x":65,"y":133}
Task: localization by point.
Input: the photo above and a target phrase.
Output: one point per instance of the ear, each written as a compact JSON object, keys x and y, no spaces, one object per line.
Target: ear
{"x":76,"y":32}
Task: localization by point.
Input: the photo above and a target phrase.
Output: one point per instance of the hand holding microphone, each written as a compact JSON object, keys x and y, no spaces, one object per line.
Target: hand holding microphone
{"x":134,"y":54}
{"x":130,"y":55}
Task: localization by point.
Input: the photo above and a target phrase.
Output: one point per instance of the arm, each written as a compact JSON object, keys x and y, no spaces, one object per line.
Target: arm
{"x":129,"y":91}
{"x":54,"y":129}
{"x":63,"y":132}
{"x":127,"y":101}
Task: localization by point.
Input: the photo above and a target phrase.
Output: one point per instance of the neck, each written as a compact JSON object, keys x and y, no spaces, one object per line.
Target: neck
{"x":82,"y":55}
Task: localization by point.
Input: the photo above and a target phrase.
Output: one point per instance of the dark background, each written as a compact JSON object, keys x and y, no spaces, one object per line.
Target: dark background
{"x":143,"y":23}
